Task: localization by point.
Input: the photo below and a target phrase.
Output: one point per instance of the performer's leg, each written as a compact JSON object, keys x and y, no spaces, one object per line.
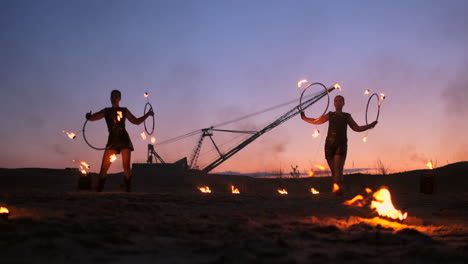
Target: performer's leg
{"x":126,"y":156}
{"x":105,"y":165}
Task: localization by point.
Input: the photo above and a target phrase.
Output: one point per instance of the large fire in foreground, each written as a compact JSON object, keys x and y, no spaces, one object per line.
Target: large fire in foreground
{"x":380,"y":201}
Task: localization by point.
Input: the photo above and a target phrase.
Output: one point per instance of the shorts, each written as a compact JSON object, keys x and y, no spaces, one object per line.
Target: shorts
{"x":335,"y":147}
{"x":118,"y":141}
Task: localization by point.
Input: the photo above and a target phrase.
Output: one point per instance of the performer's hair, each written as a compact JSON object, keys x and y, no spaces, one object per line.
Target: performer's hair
{"x":117,"y":92}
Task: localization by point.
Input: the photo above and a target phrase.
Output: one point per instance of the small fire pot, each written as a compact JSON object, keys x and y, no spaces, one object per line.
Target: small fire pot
{"x":427,"y":183}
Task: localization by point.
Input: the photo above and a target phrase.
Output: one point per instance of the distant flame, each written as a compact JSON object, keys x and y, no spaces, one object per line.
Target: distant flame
{"x":146,"y":94}
{"x":320,"y":167}
{"x":85,"y":164}
{"x":366,"y":92}
{"x":364,"y":139}
{"x":382,"y":96}
{"x":143,"y":135}
{"x":113,"y":157}
{"x":83,"y":171}
{"x":4,"y":210}
{"x":205,"y":189}
{"x":299,"y":83}
{"x":368,"y":190}
{"x":316,"y":133}
{"x":119,"y":115}
{"x":311,"y":173}
{"x":429,"y":165}
{"x":234,"y":190}
{"x":153,"y":140}
{"x":337,"y":86}
{"x":355,"y":200}
{"x":335,"y":187}
{"x":384,"y":206}
{"x":71,"y":135}
{"x":313,"y":191}
{"x":283,"y":192}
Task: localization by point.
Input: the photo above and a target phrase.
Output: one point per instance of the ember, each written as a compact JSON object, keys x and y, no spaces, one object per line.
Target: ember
{"x":367,"y":92}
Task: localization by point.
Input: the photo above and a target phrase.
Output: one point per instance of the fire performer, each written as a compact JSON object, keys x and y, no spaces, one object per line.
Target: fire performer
{"x":336,"y":143}
{"x":118,"y":140}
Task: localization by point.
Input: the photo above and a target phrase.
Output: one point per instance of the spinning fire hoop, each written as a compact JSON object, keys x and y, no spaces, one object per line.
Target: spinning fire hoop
{"x":305,"y":89}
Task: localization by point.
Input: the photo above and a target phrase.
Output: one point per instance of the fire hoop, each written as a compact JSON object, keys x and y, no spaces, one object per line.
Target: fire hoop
{"x":378,"y":106}
{"x":144,"y":123}
{"x":86,"y":140}
{"x":328,"y":97}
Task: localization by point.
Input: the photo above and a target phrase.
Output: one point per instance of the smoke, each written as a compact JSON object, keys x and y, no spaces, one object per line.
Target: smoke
{"x":455,"y":95}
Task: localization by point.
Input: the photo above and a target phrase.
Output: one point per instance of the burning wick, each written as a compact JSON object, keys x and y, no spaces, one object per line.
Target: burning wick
{"x":205,"y":189}
{"x":119,"y":115}
{"x":234,"y":190}
{"x":143,"y":135}
{"x":429,"y":165}
{"x":382,"y":96}
{"x":71,"y":135}
{"x":316,"y":133}
{"x":112,"y":158}
{"x":299,"y":83}
{"x":146,"y":94}
{"x":313,"y":191}
{"x":282,"y":192}
{"x":85,"y":164}
{"x":311,"y":173}
{"x":153,"y":140}
{"x":337,"y":86}
{"x":367,"y":92}
{"x":364,"y":139}
{"x":335,"y":187}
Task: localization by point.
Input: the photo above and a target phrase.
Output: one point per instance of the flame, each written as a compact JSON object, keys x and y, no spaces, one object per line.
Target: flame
{"x":316,"y":133}
{"x":71,"y":135}
{"x":284,"y":192}
{"x":83,"y":171}
{"x":355,"y":200}
{"x":299,"y":83}
{"x":311,"y":173}
{"x":429,"y":165}
{"x":337,"y":86}
{"x":368,"y":190}
{"x":4,"y":210}
{"x":320,"y":167}
{"x":143,"y":135}
{"x":382,"y":96}
{"x":153,"y":140}
{"x":384,"y":206}
{"x":313,"y":191}
{"x":146,"y":94}
{"x":234,"y":190}
{"x":364,"y":139}
{"x":336,"y":187}
{"x":85,"y":164}
{"x":112,"y":158}
{"x":205,"y":189}
{"x":119,"y":115}
{"x":366,"y":92}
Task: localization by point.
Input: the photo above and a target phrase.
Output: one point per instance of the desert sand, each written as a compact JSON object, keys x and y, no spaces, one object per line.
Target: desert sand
{"x":167,"y":220}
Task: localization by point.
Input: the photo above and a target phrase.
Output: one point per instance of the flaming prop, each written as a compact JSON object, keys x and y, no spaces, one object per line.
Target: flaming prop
{"x":366,"y":92}
{"x":146,"y":94}
{"x":234,"y":190}
{"x":311,"y":173}
{"x":364,"y":139}
{"x":143,"y":135}
{"x":316,"y":133}
{"x":119,"y":116}
{"x":153,"y":140}
{"x":337,"y":86}
{"x":382,"y":96}
{"x":112,"y":158}
{"x":282,"y":192}
{"x":301,"y":82}
{"x":320,"y":167}
{"x":205,"y":189}
{"x":71,"y":135}
{"x":313,"y":191}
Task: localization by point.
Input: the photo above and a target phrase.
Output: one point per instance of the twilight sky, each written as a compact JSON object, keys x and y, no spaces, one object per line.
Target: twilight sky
{"x":204,"y":62}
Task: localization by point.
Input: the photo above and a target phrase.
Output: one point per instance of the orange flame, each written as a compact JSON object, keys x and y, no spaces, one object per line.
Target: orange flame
{"x":320,"y":167}
{"x":311,"y":173}
{"x":299,"y":83}
{"x":364,"y":139}
{"x":382,"y":96}
{"x":146,"y":94}
{"x":429,"y":165}
{"x":4,"y":210}
{"x":384,"y":206}
{"x":112,"y":158}
{"x":336,"y":187}
{"x":205,"y":189}
{"x":119,"y":115}
{"x":355,"y":200}
{"x":313,"y":191}
{"x":337,"y":86}
{"x":368,"y":190}
{"x":234,"y":190}
{"x":283,"y":192}
{"x":71,"y":135}
{"x":143,"y":135}
{"x":316,"y":133}
{"x":85,"y":164}
{"x":153,"y":140}
{"x":366,"y":92}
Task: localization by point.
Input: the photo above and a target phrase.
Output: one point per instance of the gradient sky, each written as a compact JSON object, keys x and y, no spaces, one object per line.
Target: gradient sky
{"x":204,"y":62}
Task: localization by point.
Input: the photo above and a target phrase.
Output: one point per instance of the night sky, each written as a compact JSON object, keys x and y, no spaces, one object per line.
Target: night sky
{"x":205,"y":62}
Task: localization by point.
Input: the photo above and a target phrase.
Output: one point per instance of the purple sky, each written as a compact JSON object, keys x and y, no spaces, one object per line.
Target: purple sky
{"x":204,"y":62}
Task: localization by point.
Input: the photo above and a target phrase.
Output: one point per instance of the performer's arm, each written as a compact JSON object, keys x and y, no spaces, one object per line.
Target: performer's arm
{"x":317,"y":121}
{"x":95,"y":116}
{"x":139,"y":120}
{"x":354,"y":126}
